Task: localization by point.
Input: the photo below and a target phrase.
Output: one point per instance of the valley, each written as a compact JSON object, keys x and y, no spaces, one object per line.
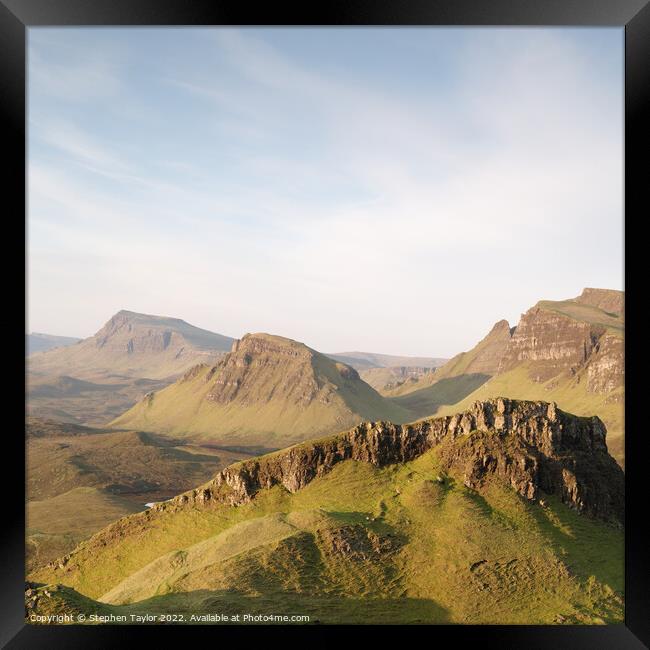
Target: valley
{"x":80,"y":479}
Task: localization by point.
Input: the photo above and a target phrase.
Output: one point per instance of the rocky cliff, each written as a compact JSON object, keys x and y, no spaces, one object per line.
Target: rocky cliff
{"x":263,"y":367}
{"x":554,"y":342}
{"x":609,"y":300}
{"x":534,"y":446}
{"x":567,"y":337}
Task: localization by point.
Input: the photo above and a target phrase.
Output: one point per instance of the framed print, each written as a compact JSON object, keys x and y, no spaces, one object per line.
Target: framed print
{"x":326,"y":321}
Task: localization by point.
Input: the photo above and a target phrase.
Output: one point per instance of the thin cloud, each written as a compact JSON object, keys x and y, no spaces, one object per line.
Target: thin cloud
{"x":278,"y":189}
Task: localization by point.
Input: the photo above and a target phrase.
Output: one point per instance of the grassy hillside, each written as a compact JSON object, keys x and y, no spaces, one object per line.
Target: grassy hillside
{"x":57,"y":524}
{"x":270,"y":392}
{"x":586,"y":313}
{"x":450,"y":390}
{"x":79,"y":479}
{"x":363,"y":545}
{"x":455,"y":379}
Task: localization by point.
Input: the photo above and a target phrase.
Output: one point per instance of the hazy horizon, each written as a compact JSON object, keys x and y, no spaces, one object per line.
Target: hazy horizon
{"x":395,"y":190}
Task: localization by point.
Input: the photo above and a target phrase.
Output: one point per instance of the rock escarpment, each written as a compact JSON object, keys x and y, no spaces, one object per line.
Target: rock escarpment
{"x":389,"y":380}
{"x":554,"y":342}
{"x":605,"y":370}
{"x":534,"y":446}
{"x":565,"y":337}
{"x":263,"y":367}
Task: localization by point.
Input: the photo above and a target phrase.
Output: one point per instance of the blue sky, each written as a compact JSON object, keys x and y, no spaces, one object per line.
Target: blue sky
{"x":395,"y":190}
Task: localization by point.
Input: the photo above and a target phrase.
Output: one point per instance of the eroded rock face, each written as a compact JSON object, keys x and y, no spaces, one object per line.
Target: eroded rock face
{"x":556,"y":343}
{"x":534,"y":446}
{"x":262,"y":367}
{"x":121,"y":333}
{"x":606,"y":369}
{"x":585,"y":343}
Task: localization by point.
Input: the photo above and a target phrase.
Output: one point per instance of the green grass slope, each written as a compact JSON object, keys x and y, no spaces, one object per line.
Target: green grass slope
{"x":56,"y":525}
{"x":449,"y":390}
{"x":585,"y":313}
{"x":362,"y":544}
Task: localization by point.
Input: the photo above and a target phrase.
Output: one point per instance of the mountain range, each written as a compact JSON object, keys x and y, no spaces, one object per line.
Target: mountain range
{"x":488,"y":489}
{"x":174,"y":405}
{"x":94,"y":380}
{"x":98,"y":378}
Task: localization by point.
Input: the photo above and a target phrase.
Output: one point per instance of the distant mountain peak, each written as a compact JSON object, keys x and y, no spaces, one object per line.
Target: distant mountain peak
{"x":500,"y":326}
{"x":138,"y":344}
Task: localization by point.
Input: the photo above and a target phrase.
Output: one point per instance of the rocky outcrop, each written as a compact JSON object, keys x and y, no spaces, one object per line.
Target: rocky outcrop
{"x":579,"y":338}
{"x":609,"y":300}
{"x":533,"y":446}
{"x":262,"y":367}
{"x":605,"y":370}
{"x":554,"y":342}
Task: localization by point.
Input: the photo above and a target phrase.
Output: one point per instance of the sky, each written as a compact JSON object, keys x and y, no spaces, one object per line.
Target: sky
{"x":393,"y":190}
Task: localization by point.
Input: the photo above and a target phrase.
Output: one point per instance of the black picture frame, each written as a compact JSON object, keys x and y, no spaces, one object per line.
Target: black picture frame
{"x":632,"y":15}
